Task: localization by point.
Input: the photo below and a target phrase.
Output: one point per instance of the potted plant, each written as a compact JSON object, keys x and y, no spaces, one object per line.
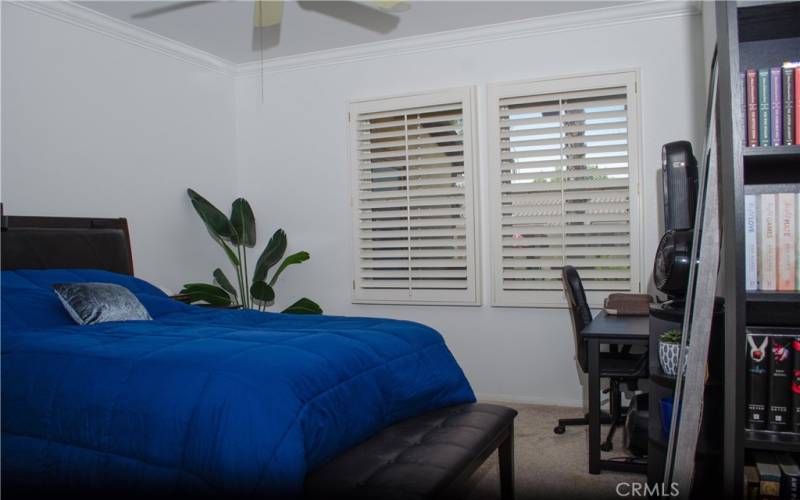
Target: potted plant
{"x":669,"y":348}
{"x":235,"y":234}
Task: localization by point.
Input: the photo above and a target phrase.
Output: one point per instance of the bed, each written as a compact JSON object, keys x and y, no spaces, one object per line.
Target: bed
{"x":198,"y":400}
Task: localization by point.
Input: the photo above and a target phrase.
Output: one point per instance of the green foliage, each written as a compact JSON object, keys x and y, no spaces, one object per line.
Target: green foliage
{"x":243,"y":222}
{"x":201,"y":292}
{"x":224,"y":282}
{"x":263,"y":292}
{"x":303,"y":306}
{"x":235,"y":235}
{"x":671,"y":337}
{"x":271,"y":255}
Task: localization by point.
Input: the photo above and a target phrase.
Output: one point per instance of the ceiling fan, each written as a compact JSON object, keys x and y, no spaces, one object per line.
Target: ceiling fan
{"x":268,"y":13}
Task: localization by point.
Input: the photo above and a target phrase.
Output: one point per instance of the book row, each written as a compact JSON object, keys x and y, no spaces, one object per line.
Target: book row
{"x":772,"y":476}
{"x":773,"y":379}
{"x":770,"y":105}
{"x":772,"y":241}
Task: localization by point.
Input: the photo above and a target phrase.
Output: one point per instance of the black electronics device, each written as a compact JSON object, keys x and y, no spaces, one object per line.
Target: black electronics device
{"x":671,"y":265}
{"x":679,"y":184}
{"x":634,"y":436}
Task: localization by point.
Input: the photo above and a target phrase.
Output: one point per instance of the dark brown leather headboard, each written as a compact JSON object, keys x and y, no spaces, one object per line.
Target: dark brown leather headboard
{"x":65,"y":243}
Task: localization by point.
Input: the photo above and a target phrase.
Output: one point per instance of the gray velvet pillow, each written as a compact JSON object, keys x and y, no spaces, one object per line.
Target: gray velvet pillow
{"x":90,"y":303}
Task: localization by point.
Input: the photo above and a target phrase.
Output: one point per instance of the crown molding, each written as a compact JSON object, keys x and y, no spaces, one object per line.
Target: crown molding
{"x":526,"y":28}
{"x":89,"y":19}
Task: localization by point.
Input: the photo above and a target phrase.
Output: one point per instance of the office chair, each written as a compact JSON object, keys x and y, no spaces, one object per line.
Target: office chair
{"x":619,"y":366}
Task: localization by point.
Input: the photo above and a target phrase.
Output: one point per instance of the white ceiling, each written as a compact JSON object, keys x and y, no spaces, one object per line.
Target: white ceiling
{"x":225,"y":28}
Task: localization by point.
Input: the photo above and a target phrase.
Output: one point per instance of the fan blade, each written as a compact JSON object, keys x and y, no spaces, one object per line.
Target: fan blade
{"x":362,"y":14}
{"x":168,"y":8}
{"x":390,"y":6}
{"x":267,"y":13}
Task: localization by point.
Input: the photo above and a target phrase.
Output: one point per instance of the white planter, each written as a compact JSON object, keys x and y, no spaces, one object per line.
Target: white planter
{"x":668,"y":357}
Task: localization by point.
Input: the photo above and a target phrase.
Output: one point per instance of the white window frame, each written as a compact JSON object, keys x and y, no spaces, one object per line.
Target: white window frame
{"x":497,"y":91}
{"x":471,"y":296}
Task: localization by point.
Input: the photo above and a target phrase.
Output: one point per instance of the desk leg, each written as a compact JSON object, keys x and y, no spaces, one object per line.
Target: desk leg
{"x":594,"y":406}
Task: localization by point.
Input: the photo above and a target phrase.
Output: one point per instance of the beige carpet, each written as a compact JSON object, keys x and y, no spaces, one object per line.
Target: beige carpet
{"x":550,"y":465}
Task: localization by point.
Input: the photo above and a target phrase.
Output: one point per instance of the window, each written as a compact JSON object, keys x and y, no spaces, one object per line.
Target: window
{"x":563,"y":179}
{"x":413,"y":199}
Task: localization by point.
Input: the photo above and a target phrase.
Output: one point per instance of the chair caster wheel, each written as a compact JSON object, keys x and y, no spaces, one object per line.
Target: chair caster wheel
{"x":560,"y":429}
{"x":606,"y":446}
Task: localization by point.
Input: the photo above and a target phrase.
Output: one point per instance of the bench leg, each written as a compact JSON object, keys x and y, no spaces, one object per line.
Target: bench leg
{"x":506,"y":457}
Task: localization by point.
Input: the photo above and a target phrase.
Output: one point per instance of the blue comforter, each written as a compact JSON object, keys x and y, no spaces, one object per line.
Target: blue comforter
{"x":202,"y":400}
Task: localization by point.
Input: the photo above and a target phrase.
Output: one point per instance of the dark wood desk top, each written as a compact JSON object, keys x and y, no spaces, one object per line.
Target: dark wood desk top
{"x":609,"y":327}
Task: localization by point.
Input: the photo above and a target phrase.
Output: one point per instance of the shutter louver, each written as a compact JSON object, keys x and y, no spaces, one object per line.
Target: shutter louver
{"x":413,"y":204}
{"x":563,"y":192}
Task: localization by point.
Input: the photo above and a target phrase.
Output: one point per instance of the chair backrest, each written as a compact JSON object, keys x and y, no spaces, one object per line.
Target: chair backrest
{"x":579,"y":311}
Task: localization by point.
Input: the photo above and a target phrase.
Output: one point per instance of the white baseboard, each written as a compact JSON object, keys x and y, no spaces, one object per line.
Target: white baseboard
{"x":528,"y":400}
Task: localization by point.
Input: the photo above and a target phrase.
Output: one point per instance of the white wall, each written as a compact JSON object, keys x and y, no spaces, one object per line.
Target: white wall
{"x":292,"y":167}
{"x":95,"y":126}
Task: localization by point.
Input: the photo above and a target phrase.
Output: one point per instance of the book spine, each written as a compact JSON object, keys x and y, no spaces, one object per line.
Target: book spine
{"x":776,"y":106}
{"x":751,"y":242}
{"x":767,"y":242}
{"x":743,"y":109}
{"x":752,"y":107}
{"x":796,"y":104}
{"x":796,"y":384}
{"x":792,"y":486}
{"x":769,"y":474}
{"x":788,"y":106}
{"x":790,"y":476}
{"x":780,"y":383}
{"x":797,"y":241}
{"x":750,"y":483}
{"x":787,"y":269}
{"x":789,"y":482}
{"x":763,"y":108}
{"x":757,"y":382}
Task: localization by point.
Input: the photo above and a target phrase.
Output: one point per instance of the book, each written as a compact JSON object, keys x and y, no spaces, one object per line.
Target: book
{"x":743,"y":110}
{"x":752,"y":107}
{"x":788,"y":106}
{"x":776,"y":106}
{"x":796,"y":104}
{"x":781,"y":367}
{"x":751,"y":483}
{"x":796,"y":384}
{"x":786,"y":260}
{"x":767,"y":242}
{"x":763,"y":107}
{"x":790,"y":477}
{"x":751,"y":241}
{"x":797,"y":242}
{"x":757,"y":381}
{"x":769,"y":475}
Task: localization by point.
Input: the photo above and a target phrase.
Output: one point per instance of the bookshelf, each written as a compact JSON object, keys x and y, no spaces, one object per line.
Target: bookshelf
{"x":771,"y":165}
{"x":773,"y":297}
{"x":749,"y":35}
{"x":771,"y":441}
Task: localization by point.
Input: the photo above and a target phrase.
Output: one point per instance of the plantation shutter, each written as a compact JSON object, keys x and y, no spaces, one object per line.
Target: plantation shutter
{"x":563,"y":187}
{"x":413,"y":199}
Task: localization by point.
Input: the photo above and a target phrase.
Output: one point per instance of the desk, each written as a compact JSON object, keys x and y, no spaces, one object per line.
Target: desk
{"x":609,"y":329}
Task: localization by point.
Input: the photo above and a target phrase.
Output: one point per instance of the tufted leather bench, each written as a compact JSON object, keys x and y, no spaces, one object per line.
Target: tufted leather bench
{"x":429,"y":456}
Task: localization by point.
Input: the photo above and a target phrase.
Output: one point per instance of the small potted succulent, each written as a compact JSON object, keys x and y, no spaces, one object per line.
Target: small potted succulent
{"x":669,"y":348}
